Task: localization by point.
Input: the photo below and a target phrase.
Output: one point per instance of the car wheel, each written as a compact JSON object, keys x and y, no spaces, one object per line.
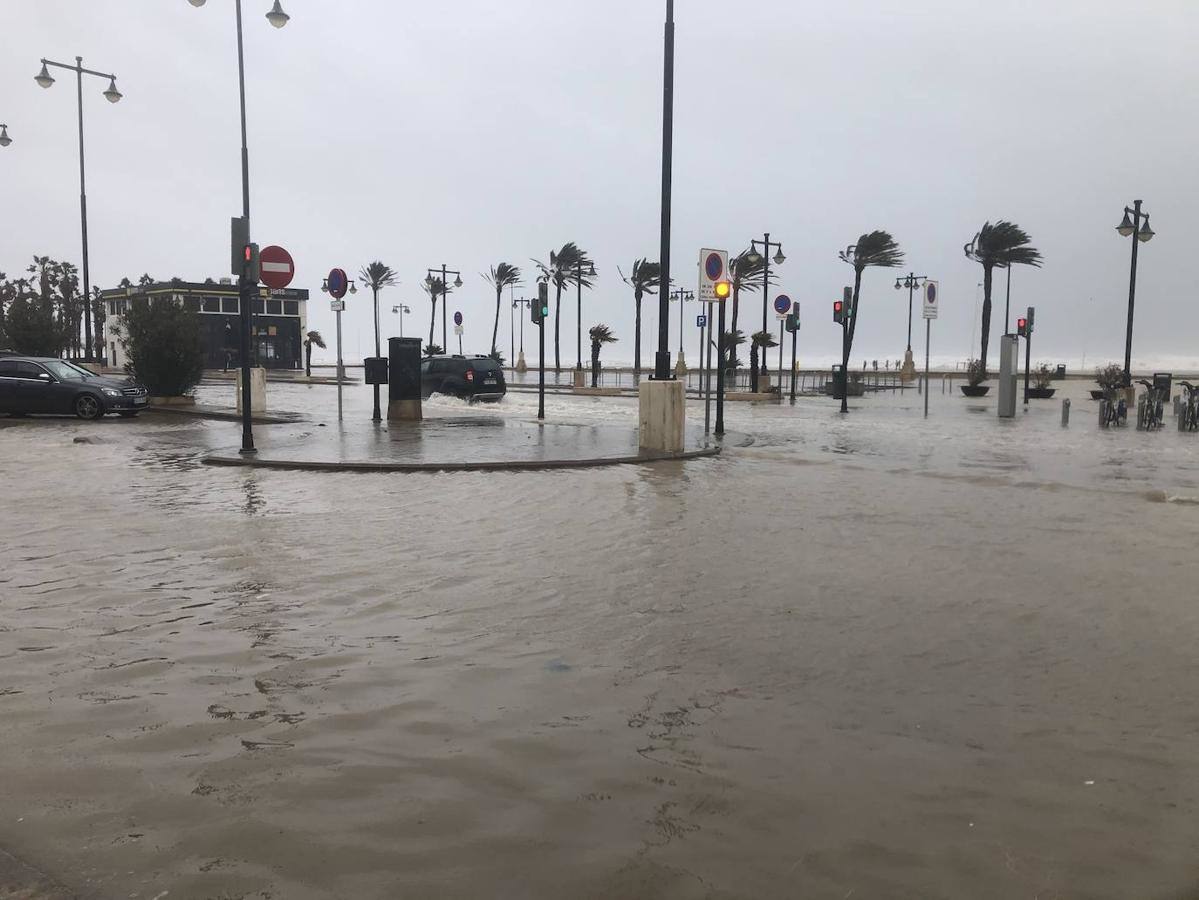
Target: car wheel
{"x":128,"y":413}
{"x":88,"y":406}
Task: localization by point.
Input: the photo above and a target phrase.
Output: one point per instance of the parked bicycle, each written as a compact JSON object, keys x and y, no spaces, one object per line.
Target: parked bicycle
{"x":1188,"y":410}
{"x":1150,"y":407}
{"x":1113,"y":412}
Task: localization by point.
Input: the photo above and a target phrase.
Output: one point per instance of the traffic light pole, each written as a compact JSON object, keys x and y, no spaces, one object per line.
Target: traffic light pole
{"x":720,"y":371}
{"x":541,"y":369}
{"x":246,"y":290}
{"x":794,"y":336}
{"x":781,"y":326}
{"x":1027,"y":358}
{"x":662,"y":370}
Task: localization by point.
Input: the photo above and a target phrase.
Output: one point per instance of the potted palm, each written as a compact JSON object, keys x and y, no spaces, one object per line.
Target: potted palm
{"x":1042,"y":378}
{"x":759,"y":342}
{"x":313,"y":338}
{"x":976,"y":374}
{"x":1110,"y":378}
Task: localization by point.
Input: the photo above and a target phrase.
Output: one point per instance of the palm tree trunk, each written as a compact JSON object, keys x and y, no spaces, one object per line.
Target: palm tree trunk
{"x":637,"y":337}
{"x":433,"y":318}
{"x":495,"y":330}
{"x":847,"y":341}
{"x":308,"y":359}
{"x":557,"y":322}
{"x":986,"y":338}
{"x":595,"y":352}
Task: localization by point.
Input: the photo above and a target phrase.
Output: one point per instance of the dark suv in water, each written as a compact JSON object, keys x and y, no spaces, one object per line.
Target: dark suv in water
{"x":33,"y":384}
{"x":467,"y":377}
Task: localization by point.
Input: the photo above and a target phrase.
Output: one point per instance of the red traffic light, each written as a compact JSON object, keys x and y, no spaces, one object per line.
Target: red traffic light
{"x":1022,"y":327}
{"x":838,"y":311}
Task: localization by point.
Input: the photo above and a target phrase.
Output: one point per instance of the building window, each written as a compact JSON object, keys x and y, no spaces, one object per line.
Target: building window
{"x":212,"y":304}
{"x":192,"y":303}
{"x":259,"y":307}
{"x":274,"y":307}
{"x":291,"y":307}
{"x":229,"y":305}
{"x":112,"y":307}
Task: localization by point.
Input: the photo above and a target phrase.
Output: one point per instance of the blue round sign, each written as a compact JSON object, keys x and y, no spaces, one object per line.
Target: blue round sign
{"x":337,"y":283}
{"x":714,"y":267}
{"x":457,"y":318}
{"x":782,"y":304}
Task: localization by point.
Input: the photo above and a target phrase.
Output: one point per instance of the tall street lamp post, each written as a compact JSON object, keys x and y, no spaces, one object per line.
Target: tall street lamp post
{"x":911,"y":281}
{"x":399,"y":310}
{"x":681,"y":296}
{"x":1139,"y":234}
{"x":246,"y":289}
{"x":662,"y":358}
{"x":45,"y":79}
{"x":754,"y":258}
{"x":520,"y":304}
{"x":429,"y":273}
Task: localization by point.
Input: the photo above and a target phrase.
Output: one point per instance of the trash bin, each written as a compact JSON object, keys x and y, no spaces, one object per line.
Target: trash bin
{"x":1162,"y":383}
{"x":1060,"y":373}
{"x":375,"y":370}
{"x":404,"y":391}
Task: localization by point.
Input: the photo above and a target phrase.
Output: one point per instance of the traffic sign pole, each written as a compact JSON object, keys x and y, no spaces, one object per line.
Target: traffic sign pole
{"x":708,"y":374}
{"x":928,"y":336}
{"x":720,"y":371}
{"x":794,"y":335}
{"x":341,"y":369}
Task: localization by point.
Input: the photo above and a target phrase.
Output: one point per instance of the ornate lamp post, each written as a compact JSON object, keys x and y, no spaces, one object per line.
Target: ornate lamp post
{"x":1140,"y":234}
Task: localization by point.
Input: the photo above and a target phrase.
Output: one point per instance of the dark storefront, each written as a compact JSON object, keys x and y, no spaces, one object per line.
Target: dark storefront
{"x":278,"y":324}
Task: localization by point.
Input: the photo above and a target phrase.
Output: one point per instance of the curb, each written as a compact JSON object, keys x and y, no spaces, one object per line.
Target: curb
{"x":218,"y":416}
{"x":489,"y":466}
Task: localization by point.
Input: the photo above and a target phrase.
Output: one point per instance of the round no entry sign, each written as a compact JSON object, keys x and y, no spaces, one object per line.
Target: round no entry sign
{"x":278,"y":269}
{"x":782,"y":304}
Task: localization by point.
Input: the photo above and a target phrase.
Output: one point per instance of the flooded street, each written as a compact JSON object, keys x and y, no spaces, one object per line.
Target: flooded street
{"x":872,"y":656}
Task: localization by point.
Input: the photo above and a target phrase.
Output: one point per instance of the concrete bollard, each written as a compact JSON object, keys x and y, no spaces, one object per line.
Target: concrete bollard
{"x":1065,"y":412}
{"x":1177,"y":405}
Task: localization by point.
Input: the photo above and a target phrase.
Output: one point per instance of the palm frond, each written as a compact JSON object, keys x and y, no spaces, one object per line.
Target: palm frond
{"x":875,"y":248}
{"x":1002,"y":244}
{"x":378,"y":275}
{"x":764,"y":339}
{"x":747,"y":273}
{"x":314,"y":337}
{"x":602,"y":334}
{"x":645,"y":277}
{"x":503,"y":275}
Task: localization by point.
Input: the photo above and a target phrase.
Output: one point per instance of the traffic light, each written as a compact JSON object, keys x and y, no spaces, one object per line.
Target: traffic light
{"x":792,"y":322}
{"x":240,"y":236}
{"x":252,"y":267}
{"x":839,"y":312}
{"x":1022,"y":327}
{"x":722,"y":290}
{"x":540,"y":308}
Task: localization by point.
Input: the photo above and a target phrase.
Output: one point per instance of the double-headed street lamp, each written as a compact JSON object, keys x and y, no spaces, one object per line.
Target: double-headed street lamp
{"x":911,"y":281}
{"x":1139,"y":234}
{"x":429,"y":273}
{"x":399,"y":310}
{"x":45,"y":79}
{"x":754,"y":258}
{"x":681,"y":296}
{"x":246,"y":289}
{"x":5,"y":140}
{"x":520,"y":304}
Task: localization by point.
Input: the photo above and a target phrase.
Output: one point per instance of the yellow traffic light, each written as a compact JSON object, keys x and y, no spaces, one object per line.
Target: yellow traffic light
{"x":722,"y":289}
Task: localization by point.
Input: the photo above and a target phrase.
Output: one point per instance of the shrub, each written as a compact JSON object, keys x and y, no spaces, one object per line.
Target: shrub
{"x":976,"y":372}
{"x":1042,"y":376}
{"x":166,"y":352}
{"x":1110,"y":377}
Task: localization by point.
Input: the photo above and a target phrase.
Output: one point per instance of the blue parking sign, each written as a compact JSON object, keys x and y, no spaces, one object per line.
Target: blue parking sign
{"x":701,"y":321}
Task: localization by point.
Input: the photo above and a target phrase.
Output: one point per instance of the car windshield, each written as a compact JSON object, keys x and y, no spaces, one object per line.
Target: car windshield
{"x":64,"y":371}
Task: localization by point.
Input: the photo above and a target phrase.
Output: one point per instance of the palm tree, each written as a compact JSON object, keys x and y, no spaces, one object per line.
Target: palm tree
{"x":877,"y":248}
{"x":1003,"y":244}
{"x":501,"y":276}
{"x":435,"y":288}
{"x":745,"y":275}
{"x":600,"y":335}
{"x":759,"y":343}
{"x":732,"y":340}
{"x":377,"y":276}
{"x":313,"y":337}
{"x":644,"y":278}
{"x":563,"y":269}
{"x":432,"y":349}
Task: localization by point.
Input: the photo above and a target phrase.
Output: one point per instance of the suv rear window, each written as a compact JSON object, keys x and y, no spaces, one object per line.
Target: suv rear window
{"x":484,"y":365}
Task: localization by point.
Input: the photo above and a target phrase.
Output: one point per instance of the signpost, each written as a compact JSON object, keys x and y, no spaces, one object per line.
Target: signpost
{"x":792,"y":323}
{"x":782,"y":309}
{"x":277,"y":267}
{"x":932,"y":300}
{"x":1028,"y":350}
{"x":338,"y":284}
{"x":713,"y":268}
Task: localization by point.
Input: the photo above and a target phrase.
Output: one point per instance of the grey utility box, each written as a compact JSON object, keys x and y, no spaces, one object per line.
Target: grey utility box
{"x":1009,"y":369}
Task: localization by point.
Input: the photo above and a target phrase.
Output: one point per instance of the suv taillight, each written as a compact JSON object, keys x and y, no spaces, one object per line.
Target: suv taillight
{"x":470,"y":375}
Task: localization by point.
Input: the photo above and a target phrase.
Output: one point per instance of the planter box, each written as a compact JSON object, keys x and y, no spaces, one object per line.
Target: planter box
{"x":172,"y":401}
{"x":1036,"y":393}
{"x":1097,"y":395}
{"x":975,"y":390}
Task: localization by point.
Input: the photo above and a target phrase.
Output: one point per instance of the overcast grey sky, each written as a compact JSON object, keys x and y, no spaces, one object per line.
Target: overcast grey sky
{"x":471,"y":132}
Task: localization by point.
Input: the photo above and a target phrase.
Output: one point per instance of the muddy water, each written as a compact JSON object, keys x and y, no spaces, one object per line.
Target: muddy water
{"x":863,"y":658}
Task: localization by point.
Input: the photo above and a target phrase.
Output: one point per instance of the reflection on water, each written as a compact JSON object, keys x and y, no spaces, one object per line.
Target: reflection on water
{"x":869,"y":656}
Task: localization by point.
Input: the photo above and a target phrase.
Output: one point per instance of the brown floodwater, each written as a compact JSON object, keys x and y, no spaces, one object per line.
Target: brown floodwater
{"x":871,"y":657}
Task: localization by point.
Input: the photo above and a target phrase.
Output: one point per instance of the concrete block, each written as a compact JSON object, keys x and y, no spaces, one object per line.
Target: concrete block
{"x":257,"y":390}
{"x":580,"y":378}
{"x":662,"y":411}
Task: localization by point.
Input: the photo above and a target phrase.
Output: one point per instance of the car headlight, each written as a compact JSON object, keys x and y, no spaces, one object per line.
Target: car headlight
{"x":111,"y":392}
